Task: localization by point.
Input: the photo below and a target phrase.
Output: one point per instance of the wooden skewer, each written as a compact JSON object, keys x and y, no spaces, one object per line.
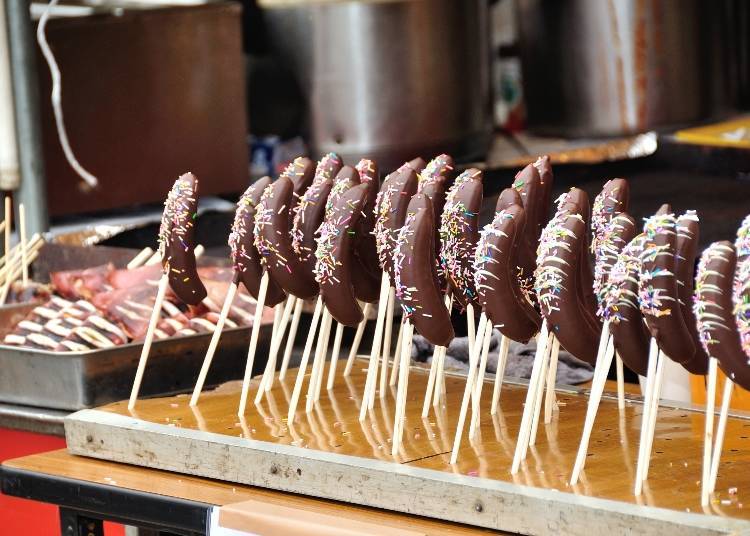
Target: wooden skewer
{"x":468,"y":391}
{"x":10,"y":261}
{"x":139,"y":259}
{"x":439,"y":392}
{"x":8,"y":225}
{"x":335,"y":355}
{"x":430,"y":381}
{"x":357,"y":340}
{"x":14,"y":267}
{"x":502,"y":359}
{"x":550,"y":399}
{"x":653,"y":354}
{"x":726,"y":397}
{"x":146,"y":349}
{"x":440,"y":374}
{"x":387,"y":344}
{"x":280,"y":322}
{"x":526,"y":421}
{"x":303,"y":363}
{"x":3,"y":225}
{"x":257,"y":319}
{"x":620,"y":382}
{"x":540,"y":390}
{"x":208,"y":358}
{"x":403,"y":386}
{"x":291,"y":338}
{"x":479,"y":383}
{"x":320,"y":358}
{"x":24,"y":252}
{"x":656,"y":398}
{"x":372,"y":367}
{"x":708,"y":432}
{"x":397,"y":355}
{"x":603,"y":362}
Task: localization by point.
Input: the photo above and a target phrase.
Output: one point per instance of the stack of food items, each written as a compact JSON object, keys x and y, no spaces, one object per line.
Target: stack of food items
{"x":103,"y":307}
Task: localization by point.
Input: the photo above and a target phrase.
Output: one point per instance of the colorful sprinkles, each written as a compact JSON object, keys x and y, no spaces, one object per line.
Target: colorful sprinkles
{"x":705,"y":298}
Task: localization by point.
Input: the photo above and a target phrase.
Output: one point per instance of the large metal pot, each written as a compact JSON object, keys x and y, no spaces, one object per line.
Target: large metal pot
{"x":388,"y":79}
{"x":609,"y":67}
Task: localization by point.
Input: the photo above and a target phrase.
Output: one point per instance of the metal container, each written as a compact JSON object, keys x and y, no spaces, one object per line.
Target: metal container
{"x":78,"y":380}
{"x":388,"y":79}
{"x":619,"y":67}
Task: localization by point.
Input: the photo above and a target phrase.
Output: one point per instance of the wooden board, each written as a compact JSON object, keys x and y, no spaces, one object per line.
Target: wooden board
{"x":60,"y":464}
{"x":330,"y":454}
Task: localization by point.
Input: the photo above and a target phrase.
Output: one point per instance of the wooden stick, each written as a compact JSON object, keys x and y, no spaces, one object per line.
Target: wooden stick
{"x":146,"y":349}
{"x":430,"y":381}
{"x":257,"y":319}
{"x":291,"y":338}
{"x":24,"y":252}
{"x":8,"y":225}
{"x":372,"y":367}
{"x":208,"y":358}
{"x":357,"y":340}
{"x":139,"y":259}
{"x":386,"y":350}
{"x":525,"y":430}
{"x":656,"y":398}
{"x":708,"y":432}
{"x":325,"y":334}
{"x":502,"y":359}
{"x":479,"y":383}
{"x":726,"y":397}
{"x":603,"y":362}
{"x":653,"y":354}
{"x":439,"y":393}
{"x":155,"y":259}
{"x":440,"y":377}
{"x":550,"y":399}
{"x":303,"y":364}
{"x":9,"y":261}
{"x":468,"y":391}
{"x":540,"y":390}
{"x":3,"y":226}
{"x":397,"y":355}
{"x":266,"y":381}
{"x":335,"y":355}
{"x":403,"y":386}
{"x":620,"y":382}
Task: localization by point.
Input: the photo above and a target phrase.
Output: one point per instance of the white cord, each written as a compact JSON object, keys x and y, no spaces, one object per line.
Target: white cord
{"x":41,"y":38}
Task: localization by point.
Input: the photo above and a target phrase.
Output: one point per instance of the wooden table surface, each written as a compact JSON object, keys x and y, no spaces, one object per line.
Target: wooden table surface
{"x":333,"y":426}
{"x":63,"y":465}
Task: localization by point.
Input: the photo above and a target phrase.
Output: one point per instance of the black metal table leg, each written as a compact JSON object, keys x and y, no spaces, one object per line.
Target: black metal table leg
{"x":73,"y":523}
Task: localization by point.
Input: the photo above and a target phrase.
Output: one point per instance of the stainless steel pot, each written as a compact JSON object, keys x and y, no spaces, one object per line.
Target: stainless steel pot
{"x":388,"y":79}
{"x":609,"y":67}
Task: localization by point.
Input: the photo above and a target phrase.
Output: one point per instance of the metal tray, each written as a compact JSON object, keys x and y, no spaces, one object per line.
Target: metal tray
{"x":79,"y":380}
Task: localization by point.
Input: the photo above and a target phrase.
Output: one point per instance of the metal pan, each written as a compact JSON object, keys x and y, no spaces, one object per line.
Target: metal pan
{"x":78,"y":380}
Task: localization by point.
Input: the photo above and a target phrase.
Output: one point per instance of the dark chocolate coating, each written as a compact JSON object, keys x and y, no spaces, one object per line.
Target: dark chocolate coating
{"x":396,"y":192}
{"x":459,"y":234}
{"x":713,"y":304}
{"x":310,"y":212}
{"x":658,"y":294}
{"x":177,"y":240}
{"x":544,"y":167}
{"x":439,"y":169}
{"x":417,"y":164}
{"x":417,"y":285}
{"x":495,"y":277}
{"x":282,"y":262}
{"x":528,"y":184}
{"x":335,"y":255}
{"x":560,"y":301}
{"x":508,"y":198}
{"x":246,"y":259}
{"x":301,"y":172}
{"x":686,"y":245}
{"x":365,"y":249}
{"x":629,"y":333}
